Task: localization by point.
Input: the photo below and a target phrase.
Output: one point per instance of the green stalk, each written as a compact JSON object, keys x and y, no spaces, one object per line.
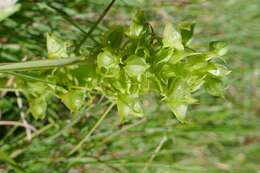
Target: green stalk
{"x":6,"y":158}
{"x":67,"y":17}
{"x":156,"y":151}
{"x":77,"y":147}
{"x":38,"y":64}
{"x":95,"y":25}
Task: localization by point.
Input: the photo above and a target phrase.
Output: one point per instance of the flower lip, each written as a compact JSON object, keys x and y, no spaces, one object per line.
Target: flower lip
{"x":5,"y":4}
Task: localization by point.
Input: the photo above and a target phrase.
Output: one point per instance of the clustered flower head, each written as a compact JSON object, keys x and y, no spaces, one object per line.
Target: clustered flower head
{"x":132,"y":62}
{"x":5,"y":4}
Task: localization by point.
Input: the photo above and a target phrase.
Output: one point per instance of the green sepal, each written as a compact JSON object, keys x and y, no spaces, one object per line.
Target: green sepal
{"x":179,"y":55}
{"x":55,"y":47}
{"x":129,"y":105}
{"x":114,"y":37}
{"x":108,"y":64}
{"x":38,"y":107}
{"x":187,"y":30}
{"x":135,"y":66}
{"x":214,"y":87}
{"x":179,"y":97}
{"x":217,"y":49}
{"x":219,"y":70}
{"x":179,"y":111}
{"x":74,"y":99}
{"x":163,"y":55}
{"x":137,"y":26}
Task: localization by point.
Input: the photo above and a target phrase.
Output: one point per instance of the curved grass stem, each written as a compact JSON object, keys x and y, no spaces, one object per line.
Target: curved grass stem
{"x":87,"y":35}
{"x":78,"y":146}
{"x":68,"y":18}
{"x":156,"y":151}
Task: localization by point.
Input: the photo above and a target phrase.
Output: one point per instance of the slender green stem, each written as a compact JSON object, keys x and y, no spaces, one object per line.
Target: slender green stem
{"x":106,"y":137}
{"x":72,"y":123}
{"x":119,"y":132}
{"x":20,"y":151}
{"x":9,"y":133}
{"x":95,"y":25}
{"x":157,"y":149}
{"x":67,"y":17}
{"x":38,"y":64}
{"x":7,"y":159}
{"x":77,"y":147}
{"x":29,"y":77}
{"x":79,"y":116}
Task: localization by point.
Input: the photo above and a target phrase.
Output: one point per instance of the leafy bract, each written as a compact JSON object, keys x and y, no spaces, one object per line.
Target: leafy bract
{"x":129,"y":105}
{"x":219,"y":47}
{"x":214,"y":87}
{"x":137,"y":26}
{"x":38,"y":107}
{"x":55,"y":47}
{"x":74,"y":99}
{"x":187,"y":30}
{"x":179,"y":97}
{"x":172,"y":38}
{"x":219,"y":70}
{"x":108,"y":64}
{"x":114,"y":37}
{"x":179,"y":110}
{"x":135,"y":66}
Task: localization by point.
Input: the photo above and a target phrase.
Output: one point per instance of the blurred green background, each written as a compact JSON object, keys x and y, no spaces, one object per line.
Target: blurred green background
{"x":222,"y":136}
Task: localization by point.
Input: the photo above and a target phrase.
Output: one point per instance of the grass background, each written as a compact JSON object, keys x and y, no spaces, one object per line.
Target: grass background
{"x":222,"y":136}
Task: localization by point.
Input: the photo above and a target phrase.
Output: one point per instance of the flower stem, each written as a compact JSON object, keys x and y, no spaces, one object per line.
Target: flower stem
{"x":77,"y":147}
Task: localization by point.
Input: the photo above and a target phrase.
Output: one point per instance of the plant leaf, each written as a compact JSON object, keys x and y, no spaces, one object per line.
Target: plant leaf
{"x":74,"y":99}
{"x":134,"y":30}
{"x":180,"y":55}
{"x":179,"y":111}
{"x":55,"y":47}
{"x":178,"y":98}
{"x":218,"y":48}
{"x":108,"y":64}
{"x":164,"y":55}
{"x":4,"y":13}
{"x":114,"y":37}
{"x":129,"y":105}
{"x":172,"y":38}
{"x":214,"y":87}
{"x":219,"y":71}
{"x":187,"y":30}
{"x":38,"y":107}
{"x":137,"y":26}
